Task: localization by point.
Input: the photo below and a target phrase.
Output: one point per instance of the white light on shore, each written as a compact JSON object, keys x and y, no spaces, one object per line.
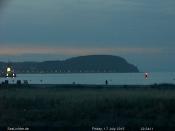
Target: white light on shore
{"x":146,"y":75}
{"x":8,"y":69}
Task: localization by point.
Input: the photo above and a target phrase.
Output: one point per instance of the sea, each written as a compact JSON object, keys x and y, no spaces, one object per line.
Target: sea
{"x":96,"y":78}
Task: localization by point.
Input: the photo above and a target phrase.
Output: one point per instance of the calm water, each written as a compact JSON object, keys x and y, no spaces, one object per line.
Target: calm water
{"x":95,"y":78}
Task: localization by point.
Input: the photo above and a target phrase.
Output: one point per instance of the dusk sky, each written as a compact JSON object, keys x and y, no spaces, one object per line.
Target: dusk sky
{"x":141,"y":31}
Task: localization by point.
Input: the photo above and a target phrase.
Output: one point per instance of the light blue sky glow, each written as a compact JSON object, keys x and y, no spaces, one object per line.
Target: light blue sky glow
{"x":142,"y":31}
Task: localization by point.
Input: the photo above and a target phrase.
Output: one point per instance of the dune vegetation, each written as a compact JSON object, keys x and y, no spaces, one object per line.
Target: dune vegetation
{"x":88,"y":107}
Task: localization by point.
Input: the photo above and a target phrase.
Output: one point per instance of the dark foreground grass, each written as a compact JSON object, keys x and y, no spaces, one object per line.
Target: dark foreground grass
{"x":131,"y":108}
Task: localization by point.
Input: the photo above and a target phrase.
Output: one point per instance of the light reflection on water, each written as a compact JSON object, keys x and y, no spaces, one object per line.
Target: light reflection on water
{"x":95,"y":78}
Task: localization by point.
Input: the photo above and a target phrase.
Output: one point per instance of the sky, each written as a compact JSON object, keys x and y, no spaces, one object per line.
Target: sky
{"x":141,"y":31}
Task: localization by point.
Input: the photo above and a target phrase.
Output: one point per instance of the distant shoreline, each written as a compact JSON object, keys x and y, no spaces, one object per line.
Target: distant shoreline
{"x":78,"y":72}
{"x":90,"y":86}
{"x":80,"y":64}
